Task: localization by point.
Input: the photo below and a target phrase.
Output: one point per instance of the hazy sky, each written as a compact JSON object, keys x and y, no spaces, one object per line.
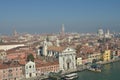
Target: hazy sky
{"x":43,"y":16}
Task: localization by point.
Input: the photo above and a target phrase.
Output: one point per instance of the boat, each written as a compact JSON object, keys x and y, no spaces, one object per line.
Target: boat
{"x":71,"y":76}
{"x":54,"y":76}
{"x":95,"y":69}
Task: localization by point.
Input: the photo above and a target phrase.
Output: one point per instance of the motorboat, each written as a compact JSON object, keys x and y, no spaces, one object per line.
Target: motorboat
{"x":71,"y":76}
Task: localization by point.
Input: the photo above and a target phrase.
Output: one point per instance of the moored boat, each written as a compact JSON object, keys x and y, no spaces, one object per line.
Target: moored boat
{"x":71,"y":76}
{"x":95,"y":69}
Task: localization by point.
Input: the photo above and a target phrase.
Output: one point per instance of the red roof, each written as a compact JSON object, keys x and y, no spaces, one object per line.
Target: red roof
{"x":9,"y":65}
{"x":46,"y":64}
{"x":56,"y":48}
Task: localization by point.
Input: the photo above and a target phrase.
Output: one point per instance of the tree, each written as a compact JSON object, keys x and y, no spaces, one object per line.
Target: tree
{"x":30,"y":57}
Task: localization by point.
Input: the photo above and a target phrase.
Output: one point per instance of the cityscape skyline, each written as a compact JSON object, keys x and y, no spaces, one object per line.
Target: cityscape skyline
{"x":48,"y":16}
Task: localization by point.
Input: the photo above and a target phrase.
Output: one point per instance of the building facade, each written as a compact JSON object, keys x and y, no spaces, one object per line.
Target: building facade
{"x":67,"y":59}
{"x":46,"y":68}
{"x":30,"y":70}
{"x":79,"y":60}
{"x":11,"y":71}
{"x":106,"y":55}
{"x":65,"y":55}
{"x":95,"y":56}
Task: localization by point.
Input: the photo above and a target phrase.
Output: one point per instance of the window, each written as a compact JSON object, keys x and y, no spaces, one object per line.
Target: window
{"x":14,"y":78}
{"x":20,"y":68}
{"x":29,"y":66}
{"x":68,"y":49}
{"x":10,"y":70}
{"x":3,"y":71}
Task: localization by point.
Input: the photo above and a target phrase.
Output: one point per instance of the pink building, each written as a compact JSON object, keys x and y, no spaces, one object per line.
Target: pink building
{"x":10,"y":71}
{"x":47,"y":67}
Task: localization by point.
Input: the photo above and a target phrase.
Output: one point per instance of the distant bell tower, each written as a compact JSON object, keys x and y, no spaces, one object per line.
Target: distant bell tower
{"x":108,"y":32}
{"x":14,"y":32}
{"x":63,"y":29}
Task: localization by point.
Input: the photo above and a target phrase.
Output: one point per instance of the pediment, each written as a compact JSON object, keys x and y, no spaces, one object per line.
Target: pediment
{"x":30,"y":63}
{"x":69,"y":49}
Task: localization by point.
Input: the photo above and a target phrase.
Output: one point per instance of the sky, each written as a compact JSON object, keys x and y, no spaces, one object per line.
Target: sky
{"x":47,"y":16}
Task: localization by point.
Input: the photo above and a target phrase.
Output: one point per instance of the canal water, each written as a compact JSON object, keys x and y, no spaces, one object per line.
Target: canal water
{"x":109,"y":72}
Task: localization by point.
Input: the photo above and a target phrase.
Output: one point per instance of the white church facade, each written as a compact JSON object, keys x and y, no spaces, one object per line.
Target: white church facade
{"x":67,"y":59}
{"x":65,"y":55}
{"x":30,"y":69}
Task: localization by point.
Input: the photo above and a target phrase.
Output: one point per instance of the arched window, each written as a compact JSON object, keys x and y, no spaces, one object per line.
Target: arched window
{"x":30,"y":66}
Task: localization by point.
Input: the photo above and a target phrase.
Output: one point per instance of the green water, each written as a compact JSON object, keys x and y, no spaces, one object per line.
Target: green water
{"x":109,"y":72}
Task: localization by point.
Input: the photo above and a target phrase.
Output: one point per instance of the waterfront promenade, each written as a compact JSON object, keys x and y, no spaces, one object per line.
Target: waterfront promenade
{"x":79,"y":69}
{"x":110,"y":61}
{"x":37,"y":78}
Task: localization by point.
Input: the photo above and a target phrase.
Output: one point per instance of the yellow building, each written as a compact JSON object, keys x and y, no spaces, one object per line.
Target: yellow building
{"x":79,"y":61}
{"x":107,"y":55}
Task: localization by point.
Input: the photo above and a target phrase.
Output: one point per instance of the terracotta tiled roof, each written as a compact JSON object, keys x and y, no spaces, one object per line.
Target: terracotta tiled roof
{"x":46,"y":64}
{"x":22,"y":62}
{"x":3,"y":66}
{"x":9,"y":65}
{"x":56,"y":48}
